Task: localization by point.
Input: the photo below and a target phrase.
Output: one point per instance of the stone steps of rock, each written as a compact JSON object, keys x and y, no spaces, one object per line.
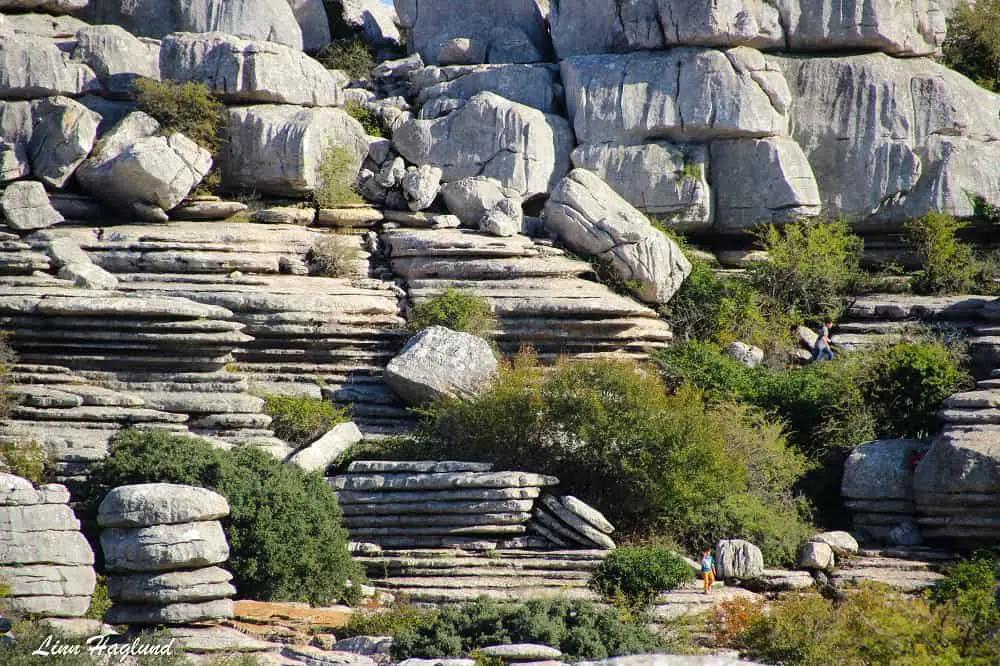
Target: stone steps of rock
{"x":691,"y":600}
{"x":482,"y":581}
{"x":908,"y":580}
{"x":496,"y":565}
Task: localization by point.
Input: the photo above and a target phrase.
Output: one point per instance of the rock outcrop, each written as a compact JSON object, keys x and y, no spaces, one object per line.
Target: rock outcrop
{"x":736,"y":558}
{"x":438,"y":362}
{"x":161,"y":543}
{"x":878,"y":485}
{"x":44,"y":558}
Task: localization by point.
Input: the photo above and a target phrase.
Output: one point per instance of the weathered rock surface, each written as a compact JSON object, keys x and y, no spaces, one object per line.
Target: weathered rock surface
{"x":171,"y":587}
{"x":52,"y":6}
{"x":748,"y":355}
{"x":176,"y":613}
{"x":736,"y":558}
{"x":877,"y":485}
{"x":32,"y":67}
{"x":536,"y":86}
{"x":440,"y":362}
{"x":816,"y":556}
{"x":521,"y":147}
{"x":112,"y":51}
{"x":137,"y":169}
{"x":249,"y":72}
{"x":589,"y":217}
{"x":472,"y":199}
{"x":148,"y":504}
{"x":164,"y":547}
{"x":257,"y":19}
{"x":62,"y":137}
{"x":842,"y":543}
{"x":325,"y":450}
{"x":278,"y":150}
{"x":420,"y":186}
{"x":26,"y":206}
{"x":313,"y":21}
{"x":373,"y":20}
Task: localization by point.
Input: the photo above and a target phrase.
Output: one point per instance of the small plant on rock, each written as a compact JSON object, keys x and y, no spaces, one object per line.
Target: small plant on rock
{"x":338,"y":174}
{"x":300,"y":420}
{"x":638,"y":575}
{"x":948,"y":265}
{"x":335,"y":255}
{"x":457,"y":309}
{"x":349,"y":54}
{"x":29,"y":460}
{"x":367,"y":118}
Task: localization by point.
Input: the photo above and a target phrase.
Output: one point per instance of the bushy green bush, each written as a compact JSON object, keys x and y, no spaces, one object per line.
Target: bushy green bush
{"x":639,"y":575}
{"x":300,"y":420}
{"x":284,"y":529}
{"x":349,"y":54}
{"x":100,"y":601}
{"x":367,"y":118}
{"x":973,"y":44}
{"x":577,"y":628}
{"x":810,"y":267}
{"x":969,"y":595}
{"x":338,"y":176}
{"x":948,"y":265}
{"x":7,"y":359}
{"x":29,"y":460}
{"x":614,"y":436}
{"x":335,"y":255}
{"x":400,"y":618}
{"x":457,"y":309}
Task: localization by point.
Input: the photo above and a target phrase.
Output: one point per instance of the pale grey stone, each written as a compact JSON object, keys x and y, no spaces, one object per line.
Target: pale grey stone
{"x":576,"y":523}
{"x":441,"y":481}
{"x":284,"y":215}
{"x":26,"y":206}
{"x":64,"y":251}
{"x":249,"y":72}
{"x":146,"y":504}
{"x":841,"y":542}
{"x":761,"y":181}
{"x":736,"y":558}
{"x":670,"y":660}
{"x":522,"y":651}
{"x":314,"y":656}
{"x":164,"y":547}
{"x":420,"y":186}
{"x":816,"y":556}
{"x":391,"y":174}
{"x":47,"y":606}
{"x":366,"y":645}
{"x":324,"y":451}
{"x":209,"y":640}
{"x":16,"y":127}
{"x":418,"y":466}
{"x":89,"y":276}
{"x":536,"y":86}
{"x":880,"y":470}
{"x":110,"y":50}
{"x":171,"y":587}
{"x":256,"y":19}
{"x":587,"y":513}
{"x":440,"y":362}
{"x":313,"y":21}
{"x":33,"y":67}
{"x":374,"y":21}
{"x":505,"y":219}
{"x":661,"y":178}
{"x":278,"y":150}
{"x":401,"y":510}
{"x":590,"y":218}
{"x":524,"y":149}
{"x":63,"y":136}
{"x":38,"y":518}
{"x":748,"y":355}
{"x":36,"y":580}
{"x":49,"y":547}
{"x":473,"y":198}
{"x":207,"y":209}
{"x":52,"y":6}
{"x":682,"y":94}
{"x":179,"y":613}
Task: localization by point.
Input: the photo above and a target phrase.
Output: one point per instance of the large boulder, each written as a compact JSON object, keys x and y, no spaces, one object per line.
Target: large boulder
{"x":536,"y":86}
{"x":62,"y":137}
{"x":313,"y":22}
{"x":147,"y":504}
{"x":266,"y":20}
{"x":877,"y":485}
{"x":32,"y":67}
{"x":893,"y":138}
{"x":472,"y":199}
{"x":138,"y":170}
{"x":373,"y":20}
{"x":26,"y":206}
{"x":739,"y":559}
{"x":816,"y":556}
{"x":112,"y":51}
{"x":460,"y":32}
{"x":440,"y":362}
{"x":324,"y":451}
{"x":249,"y":72}
{"x":668,"y":180}
{"x":590,"y":218}
{"x":278,"y":150}
{"x":16,"y":125}
{"x":521,"y":147}
{"x":164,"y":547}
{"x":681,"y":94}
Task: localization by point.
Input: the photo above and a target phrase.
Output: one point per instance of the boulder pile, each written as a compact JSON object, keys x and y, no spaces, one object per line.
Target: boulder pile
{"x":162,"y":543}
{"x":44,"y":558}
{"x":436,"y":504}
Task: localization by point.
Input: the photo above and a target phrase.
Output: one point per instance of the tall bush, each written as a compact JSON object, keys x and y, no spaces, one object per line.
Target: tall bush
{"x":7,"y":360}
{"x":349,"y":54}
{"x":284,"y":529}
{"x":948,"y":265}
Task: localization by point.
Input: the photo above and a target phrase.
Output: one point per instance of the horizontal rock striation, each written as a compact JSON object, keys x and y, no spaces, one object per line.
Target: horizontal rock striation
{"x":877,"y":487}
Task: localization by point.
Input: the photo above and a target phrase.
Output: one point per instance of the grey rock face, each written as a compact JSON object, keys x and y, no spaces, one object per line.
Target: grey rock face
{"x":249,"y":72}
{"x":591,"y":218}
{"x":110,"y":50}
{"x":504,"y":219}
{"x":682,"y":94}
{"x":761,"y":181}
{"x":278,"y":150}
{"x":164,"y":547}
{"x":441,"y":362}
{"x":473,"y":198}
{"x":51,"y":6}
{"x":63,"y":136}
{"x":179,"y":613}
{"x":34,"y":580}
{"x":373,"y":20}
{"x":841,"y":542}
{"x":313,"y":21}
{"x":135,"y":168}
{"x":26,"y":206}
{"x":536,"y":86}
{"x":662,"y":178}
{"x":321,"y":453}
{"x":736,"y":558}
{"x":256,"y":19}
{"x":495,"y":31}
{"x":147,"y":504}
{"x":748,"y":355}
{"x":420,"y":186}
{"x":877,"y":485}
{"x":816,"y":556}
{"x":172,"y":587}
{"x":38,"y":518}
{"x":33,"y":66}
{"x":579,"y":526}
{"x":522,"y":148}
{"x":450,"y":481}
{"x":587,"y":513}
{"x":89,"y":276}
{"x":893,"y":138}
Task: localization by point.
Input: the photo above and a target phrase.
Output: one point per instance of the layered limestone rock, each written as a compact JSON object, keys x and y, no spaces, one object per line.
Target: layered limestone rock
{"x":736,"y":558}
{"x":374,"y":21}
{"x":521,"y":147}
{"x":161,"y":543}
{"x":313,"y":21}
{"x":570,"y":523}
{"x":44,"y":558}
{"x":446,"y":32}
{"x":877,"y":486}
{"x":536,"y":86}
{"x":111,"y":51}
{"x":242,"y":71}
{"x":256,"y":19}
{"x":26,"y":207}
{"x":589,"y":217}
{"x":51,"y":6}
{"x":32,"y":67}
{"x":278,"y":149}
{"x":438,"y":362}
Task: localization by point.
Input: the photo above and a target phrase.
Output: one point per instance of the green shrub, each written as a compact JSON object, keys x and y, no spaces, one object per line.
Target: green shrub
{"x":349,"y":54}
{"x":284,"y":530}
{"x":301,"y":420}
{"x":577,"y":628}
{"x":386,"y":622}
{"x":335,"y":255}
{"x":100,"y":602}
{"x":367,"y":118}
{"x":7,"y":360}
{"x":947,"y":264}
{"x":969,"y":597}
{"x":614,"y":436}
{"x":29,"y":460}
{"x":639,"y":575}
{"x":338,"y":175}
{"x":457,"y":309}
{"x":973,"y":44}
{"x":811,"y":267}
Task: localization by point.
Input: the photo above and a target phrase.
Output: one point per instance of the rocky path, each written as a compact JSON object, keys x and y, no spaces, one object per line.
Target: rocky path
{"x":906,"y":569}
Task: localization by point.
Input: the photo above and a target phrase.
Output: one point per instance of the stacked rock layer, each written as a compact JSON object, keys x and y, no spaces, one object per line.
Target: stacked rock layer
{"x":44,"y":558}
{"x":162,"y":544}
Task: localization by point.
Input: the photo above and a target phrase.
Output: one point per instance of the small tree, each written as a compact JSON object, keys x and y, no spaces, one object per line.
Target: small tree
{"x":300,"y":420}
{"x":947,"y":264}
{"x":973,"y":44}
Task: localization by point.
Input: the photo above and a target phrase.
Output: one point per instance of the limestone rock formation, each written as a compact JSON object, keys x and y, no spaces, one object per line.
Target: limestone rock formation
{"x":32,"y":66}
{"x":877,"y":485}
{"x":736,"y":558}
{"x":137,"y":169}
{"x":256,"y":19}
{"x":146,"y":504}
{"x":522,"y":148}
{"x":440,"y":362}
{"x":816,"y":556}
{"x":278,"y":149}
{"x":484,"y":203}
{"x":112,"y":51}
{"x":450,"y":32}
{"x":372,"y":20}
{"x":313,"y":22}
{"x":249,"y":72}
{"x":51,"y":6}
{"x":589,"y":217}
{"x":63,"y":135}
{"x":320,"y":454}
{"x":536,"y":86}
{"x":420,"y":186}
{"x":25,"y":206}
{"x":748,"y":355}
{"x":842,"y":543}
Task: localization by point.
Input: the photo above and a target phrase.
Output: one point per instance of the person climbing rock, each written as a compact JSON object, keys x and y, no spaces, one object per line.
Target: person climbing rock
{"x":708,"y":569}
{"x":822,"y":347}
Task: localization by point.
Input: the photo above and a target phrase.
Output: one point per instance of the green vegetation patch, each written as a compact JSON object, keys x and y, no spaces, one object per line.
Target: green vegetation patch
{"x":301,"y":420}
{"x":973,"y":44}
{"x":349,"y":54}
{"x":639,"y":575}
{"x":368,"y":119}
{"x":457,"y":309}
{"x":338,"y":175}
{"x":335,"y":255}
